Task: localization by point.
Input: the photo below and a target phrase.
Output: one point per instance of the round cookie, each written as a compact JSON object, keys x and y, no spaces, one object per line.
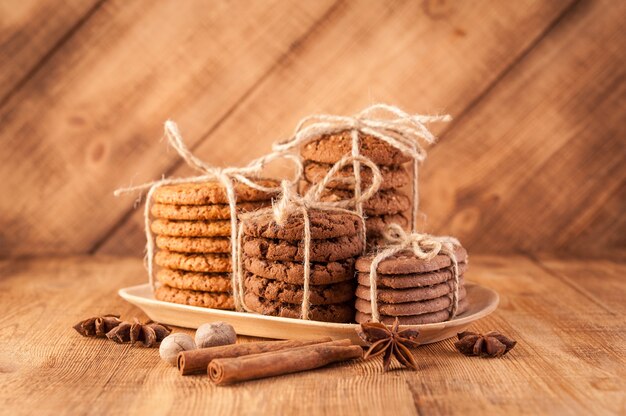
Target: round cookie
{"x":207,"y":263}
{"x":278,"y":291}
{"x":425,"y":318}
{"x":340,"y":312}
{"x":334,"y":249}
{"x":393,"y":176}
{"x":207,"y":193}
{"x":404,"y":281}
{"x":293,"y":272}
{"x":405,"y":262}
{"x":391,"y":201}
{"x":376,"y":224}
{"x":194,"y":244}
{"x":206,"y":282}
{"x":409,"y":308}
{"x":408,"y":295}
{"x":331,"y":148}
{"x":195,"y":298}
{"x":202,"y":212}
{"x":216,"y":228}
{"x":324,"y":224}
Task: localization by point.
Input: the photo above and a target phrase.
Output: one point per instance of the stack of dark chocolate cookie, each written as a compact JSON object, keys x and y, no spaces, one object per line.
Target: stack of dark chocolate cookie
{"x":273,"y":271}
{"x":416,"y":291}
{"x":389,"y":205}
{"x":192,"y":224}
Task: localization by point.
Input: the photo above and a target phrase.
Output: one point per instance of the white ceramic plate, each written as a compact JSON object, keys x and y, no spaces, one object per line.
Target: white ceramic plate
{"x":482,"y":302}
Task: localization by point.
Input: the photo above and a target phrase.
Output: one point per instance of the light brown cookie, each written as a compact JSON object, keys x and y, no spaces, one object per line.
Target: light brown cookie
{"x":202,"y":212}
{"x":207,"y":263}
{"x":216,"y":228}
{"x":393,"y":176}
{"x":206,"y":282}
{"x":408,"y":295}
{"x":293,"y":272}
{"x":275,"y":290}
{"x":194,"y":244}
{"x":405,"y":281}
{"x":324,"y":224}
{"x":390,"y":201}
{"x":333,"y":249}
{"x":409,"y":308}
{"x":214,"y":300}
{"x":425,"y":318}
{"x":340,"y":312}
{"x":405,"y":262}
{"x":207,"y":193}
{"x":331,"y":148}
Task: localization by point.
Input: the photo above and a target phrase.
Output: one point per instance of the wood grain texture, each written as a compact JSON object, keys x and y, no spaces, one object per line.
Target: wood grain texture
{"x":570,"y":357}
{"x":30,"y":31}
{"x":86,"y":122}
{"x":534,"y":161}
{"x":539,"y":163}
{"x":400,"y":52}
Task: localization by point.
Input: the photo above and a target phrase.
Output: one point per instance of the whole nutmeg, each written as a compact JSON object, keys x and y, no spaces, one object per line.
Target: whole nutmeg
{"x":214,"y":334}
{"x":173,"y":344}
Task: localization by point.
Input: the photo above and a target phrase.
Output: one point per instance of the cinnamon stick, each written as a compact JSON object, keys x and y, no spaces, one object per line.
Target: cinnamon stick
{"x":276,"y":363}
{"x":196,"y":361}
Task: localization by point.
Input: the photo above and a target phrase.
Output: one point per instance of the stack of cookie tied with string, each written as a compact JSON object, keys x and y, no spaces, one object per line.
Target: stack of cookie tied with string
{"x":273,"y":268}
{"x":389,"y":205}
{"x":192,"y":224}
{"x":413,"y":290}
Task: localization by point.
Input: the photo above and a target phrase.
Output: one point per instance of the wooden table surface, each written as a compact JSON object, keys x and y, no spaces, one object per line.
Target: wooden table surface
{"x":566,"y":315}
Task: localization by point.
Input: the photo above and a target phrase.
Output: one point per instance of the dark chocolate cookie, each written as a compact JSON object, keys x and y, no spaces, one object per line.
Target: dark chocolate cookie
{"x":340,"y":312}
{"x":409,"y":308}
{"x":275,"y":290}
{"x":405,"y":262}
{"x":404,"y":281}
{"x":293,"y":272}
{"x":324,"y":224}
{"x":333,"y":249}
{"x":425,"y":318}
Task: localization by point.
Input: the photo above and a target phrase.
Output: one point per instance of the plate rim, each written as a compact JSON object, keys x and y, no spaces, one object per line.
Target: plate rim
{"x":126,"y":294}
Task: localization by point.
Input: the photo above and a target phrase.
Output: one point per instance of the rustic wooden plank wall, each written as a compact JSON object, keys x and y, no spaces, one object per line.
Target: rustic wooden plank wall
{"x":533,"y":162}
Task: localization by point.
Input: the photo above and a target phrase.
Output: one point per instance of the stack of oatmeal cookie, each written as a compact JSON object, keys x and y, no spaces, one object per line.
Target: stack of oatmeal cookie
{"x":192,"y":225}
{"x":389,"y":205}
{"x":416,"y":291}
{"x":273,"y":271}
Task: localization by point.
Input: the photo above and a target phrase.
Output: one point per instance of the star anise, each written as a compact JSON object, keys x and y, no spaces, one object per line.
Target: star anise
{"x":389,"y":341}
{"x":97,"y":326}
{"x":148,"y":334}
{"x":491,"y":344}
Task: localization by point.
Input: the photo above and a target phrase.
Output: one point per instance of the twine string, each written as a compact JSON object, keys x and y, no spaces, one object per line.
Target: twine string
{"x":290,"y":204}
{"x":387,"y":123}
{"x":225,"y":176}
{"x":424,"y":247}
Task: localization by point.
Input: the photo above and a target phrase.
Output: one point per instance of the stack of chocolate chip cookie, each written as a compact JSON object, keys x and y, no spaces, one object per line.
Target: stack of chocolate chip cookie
{"x":389,"y":205}
{"x":416,"y":291}
{"x":192,"y":227}
{"x":273,"y":271}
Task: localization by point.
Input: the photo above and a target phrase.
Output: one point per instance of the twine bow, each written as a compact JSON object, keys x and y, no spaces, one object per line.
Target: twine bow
{"x":393,"y":126}
{"x":226,"y":176}
{"x":290,"y":204}
{"x":424,"y":247}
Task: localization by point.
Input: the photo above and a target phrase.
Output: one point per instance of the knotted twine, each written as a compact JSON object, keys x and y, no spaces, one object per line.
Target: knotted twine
{"x":395,"y":127}
{"x":424,"y":247}
{"x":226,"y":176}
{"x":290,"y":204}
